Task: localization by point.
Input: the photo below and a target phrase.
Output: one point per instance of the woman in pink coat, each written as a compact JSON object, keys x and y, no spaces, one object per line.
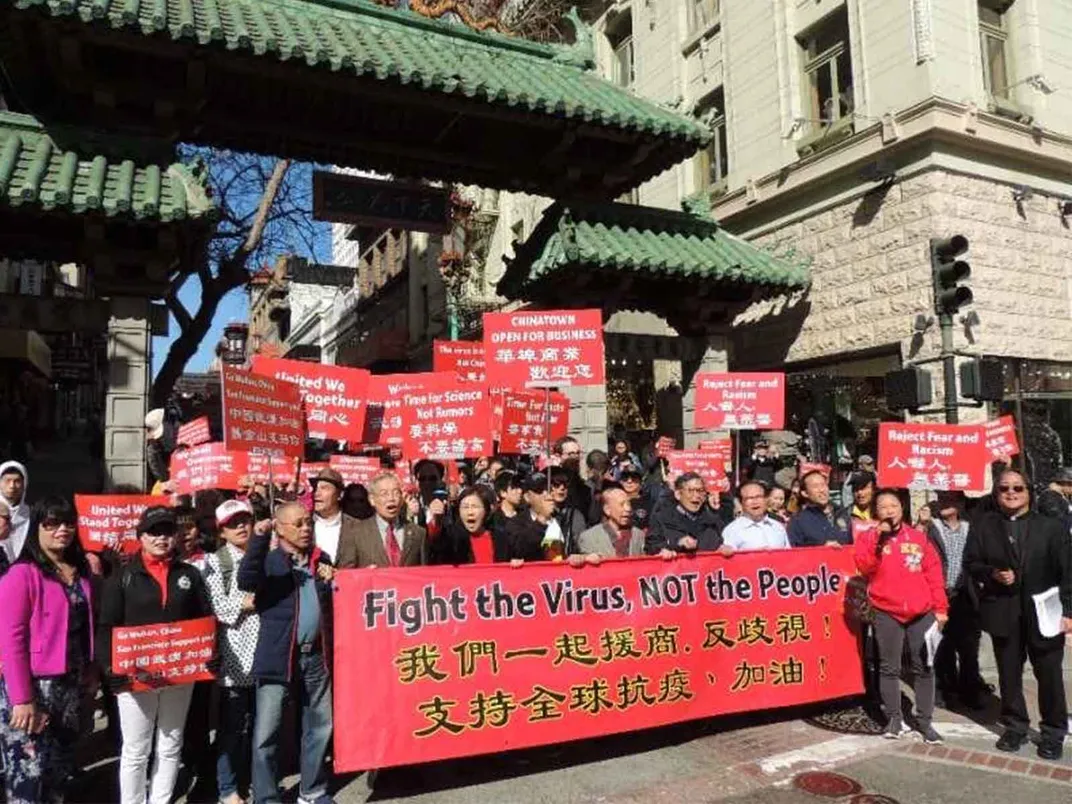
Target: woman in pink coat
{"x":46,"y":650}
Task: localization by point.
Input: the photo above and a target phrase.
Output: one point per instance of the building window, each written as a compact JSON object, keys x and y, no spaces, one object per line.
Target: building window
{"x":703,"y":14}
{"x":828,"y":71}
{"x":620,"y":36}
{"x":993,"y":37}
{"x":714,"y":161}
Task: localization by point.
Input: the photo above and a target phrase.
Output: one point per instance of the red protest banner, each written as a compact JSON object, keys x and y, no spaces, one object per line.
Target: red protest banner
{"x":496,"y":397}
{"x":261,"y":414}
{"x":193,"y":433}
{"x":110,"y":520}
{"x":283,"y":469}
{"x":947,"y":457}
{"x":206,"y":466}
{"x":707,"y":465}
{"x":464,"y":358}
{"x":356,"y":468}
{"x":740,"y":401}
{"x":334,"y":396}
{"x":449,"y":421}
{"x":723,"y":447}
{"x":1001,"y":440}
{"x":628,"y":645}
{"x":383,"y":422}
{"x":538,"y":348}
{"x":665,"y":445}
{"x":172,"y":653}
{"x":525,"y":421}
{"x":404,"y":472}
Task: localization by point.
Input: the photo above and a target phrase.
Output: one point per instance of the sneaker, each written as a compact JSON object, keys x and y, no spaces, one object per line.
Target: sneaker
{"x":1011,"y":742}
{"x":1052,"y":750}
{"x":930,"y":736}
{"x":895,"y":730}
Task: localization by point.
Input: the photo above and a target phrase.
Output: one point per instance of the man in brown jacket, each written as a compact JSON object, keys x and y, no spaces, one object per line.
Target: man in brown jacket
{"x":329,"y":522}
{"x":384,"y":540}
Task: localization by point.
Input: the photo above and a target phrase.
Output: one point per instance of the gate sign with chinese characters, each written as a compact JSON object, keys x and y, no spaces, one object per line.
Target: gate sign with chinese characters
{"x":525,"y":419}
{"x":477,"y":660}
{"x":943,"y":457}
{"x":334,"y":396}
{"x":343,"y":198}
{"x":708,"y":465}
{"x":544,"y":348}
{"x":464,"y":358}
{"x":261,"y":414}
{"x":447,"y":422}
{"x":1001,"y":440}
{"x":740,"y":401}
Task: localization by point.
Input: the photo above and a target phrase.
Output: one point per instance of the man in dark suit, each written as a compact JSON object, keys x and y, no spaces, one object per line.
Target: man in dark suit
{"x":384,"y":540}
{"x":1012,"y":554}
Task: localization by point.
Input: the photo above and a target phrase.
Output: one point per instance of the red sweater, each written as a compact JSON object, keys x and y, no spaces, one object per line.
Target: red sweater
{"x":906,"y":580}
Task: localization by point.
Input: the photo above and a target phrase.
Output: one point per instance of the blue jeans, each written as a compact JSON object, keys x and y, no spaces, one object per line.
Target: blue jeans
{"x":233,"y":747}
{"x":310,"y":686}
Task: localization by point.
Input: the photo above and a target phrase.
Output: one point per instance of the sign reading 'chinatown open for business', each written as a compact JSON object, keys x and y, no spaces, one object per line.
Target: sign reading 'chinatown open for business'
{"x":334,"y":396}
{"x":477,"y":660}
{"x":261,"y":414}
{"x":740,"y":401}
{"x":544,"y":348}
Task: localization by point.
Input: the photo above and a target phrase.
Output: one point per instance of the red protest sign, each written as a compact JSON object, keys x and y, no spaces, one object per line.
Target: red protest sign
{"x":193,"y":433}
{"x":522,"y":659}
{"x":172,"y":653}
{"x":1001,"y":440}
{"x":261,"y":414}
{"x":464,"y":358}
{"x":740,"y":401}
{"x":664,"y":445}
{"x":206,"y":466}
{"x":356,"y":468}
{"x":383,"y":422}
{"x":525,"y":421}
{"x":335,"y":396}
{"x":946,"y":457}
{"x":495,"y":399}
{"x":404,"y":472}
{"x":707,"y":465}
{"x":808,"y":468}
{"x":110,"y":520}
{"x":275,"y":468}
{"x":539,"y":348}
{"x":450,"y":421}
{"x":722,"y":447}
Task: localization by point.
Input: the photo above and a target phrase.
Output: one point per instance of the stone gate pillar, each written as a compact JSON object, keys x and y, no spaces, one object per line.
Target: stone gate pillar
{"x":126,"y":398}
{"x":588,"y":416}
{"x":710,"y":353}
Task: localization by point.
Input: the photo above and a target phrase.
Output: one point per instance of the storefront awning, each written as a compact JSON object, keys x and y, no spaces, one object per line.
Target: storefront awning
{"x":346,"y":82}
{"x":683,"y":266}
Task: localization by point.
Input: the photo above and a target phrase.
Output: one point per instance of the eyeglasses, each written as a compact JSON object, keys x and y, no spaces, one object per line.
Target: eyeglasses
{"x":1013,"y":489}
{"x":694,"y":489}
{"x":238,"y":521}
{"x":56,"y":524}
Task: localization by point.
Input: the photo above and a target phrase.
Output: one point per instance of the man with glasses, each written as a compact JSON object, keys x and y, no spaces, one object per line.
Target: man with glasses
{"x":292,"y":589}
{"x":384,"y":540}
{"x":754,"y":529}
{"x":571,"y":520}
{"x":1013,"y":554}
{"x":566,"y":454}
{"x":688,"y":526}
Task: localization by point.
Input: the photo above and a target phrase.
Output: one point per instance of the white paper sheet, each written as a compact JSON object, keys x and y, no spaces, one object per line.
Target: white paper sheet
{"x":1048,"y":609}
{"x":932,"y":639}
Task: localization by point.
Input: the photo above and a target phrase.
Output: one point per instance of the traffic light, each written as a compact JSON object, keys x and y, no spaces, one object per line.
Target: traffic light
{"x":982,"y":380}
{"x":908,"y":388}
{"x":948,"y":272}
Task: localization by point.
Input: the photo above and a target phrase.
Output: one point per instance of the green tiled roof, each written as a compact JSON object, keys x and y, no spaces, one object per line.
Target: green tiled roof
{"x":657,"y":243}
{"x":37,"y":172}
{"x":396,"y":46}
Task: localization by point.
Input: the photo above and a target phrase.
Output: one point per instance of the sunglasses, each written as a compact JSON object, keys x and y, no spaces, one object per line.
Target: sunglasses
{"x":1014,"y":489}
{"x":56,"y":524}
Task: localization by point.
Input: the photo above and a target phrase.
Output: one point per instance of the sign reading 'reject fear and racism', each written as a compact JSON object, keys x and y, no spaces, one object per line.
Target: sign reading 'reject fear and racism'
{"x":946,"y":457}
{"x":334,"y":396}
{"x":740,"y":401}
{"x":475,"y":661}
{"x":545,"y":348}
{"x":261,"y":414}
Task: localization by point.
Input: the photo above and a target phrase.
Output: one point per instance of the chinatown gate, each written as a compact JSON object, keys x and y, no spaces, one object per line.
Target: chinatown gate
{"x":104,"y":91}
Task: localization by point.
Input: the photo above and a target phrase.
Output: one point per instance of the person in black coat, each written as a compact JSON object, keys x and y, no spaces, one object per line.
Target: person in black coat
{"x":1012,"y":554}
{"x":687,"y":527}
{"x":467,"y":539}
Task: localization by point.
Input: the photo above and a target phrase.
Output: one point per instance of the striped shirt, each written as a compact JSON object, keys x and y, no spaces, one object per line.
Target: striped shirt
{"x":953,"y":539}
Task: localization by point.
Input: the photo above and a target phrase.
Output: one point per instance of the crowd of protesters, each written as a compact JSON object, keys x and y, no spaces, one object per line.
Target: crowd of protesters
{"x":266,"y":575}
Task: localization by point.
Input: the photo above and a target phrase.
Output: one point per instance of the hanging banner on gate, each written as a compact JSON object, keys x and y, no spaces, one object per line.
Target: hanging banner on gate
{"x":544,"y":348}
{"x":261,"y":414}
{"x":1001,"y":440}
{"x":707,"y":465}
{"x":477,"y":660}
{"x":383,"y":420}
{"x":164,"y":654}
{"x":335,"y":397}
{"x":450,"y":421}
{"x":194,"y":432}
{"x":464,"y":358}
{"x":740,"y":401}
{"x":525,"y":421}
{"x":940,"y":457}
{"x":206,"y":466}
{"x":110,"y":521}
{"x":358,"y":469}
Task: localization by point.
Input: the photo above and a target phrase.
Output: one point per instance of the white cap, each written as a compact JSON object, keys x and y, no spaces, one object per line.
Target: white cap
{"x":228,"y":510}
{"x":154,"y":423}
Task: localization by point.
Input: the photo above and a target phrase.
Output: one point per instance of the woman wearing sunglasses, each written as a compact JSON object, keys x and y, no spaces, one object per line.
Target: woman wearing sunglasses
{"x":154,"y":587}
{"x":1012,"y":554}
{"x":46,"y":647}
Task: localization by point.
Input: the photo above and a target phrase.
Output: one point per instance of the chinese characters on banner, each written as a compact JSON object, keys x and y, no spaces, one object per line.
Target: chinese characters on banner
{"x":943,"y":457}
{"x":173,"y":653}
{"x":450,"y":421}
{"x":465,"y":665}
{"x":206,"y":466}
{"x":525,"y":421}
{"x":740,"y":401}
{"x":193,"y":433}
{"x":334,"y":396}
{"x":356,"y":468}
{"x":707,"y":465}
{"x":261,"y":414}
{"x":664,"y":445}
{"x":464,"y":358}
{"x":111,"y":520}
{"x":544,"y":348}
{"x":383,"y":421}
{"x":1001,"y":440}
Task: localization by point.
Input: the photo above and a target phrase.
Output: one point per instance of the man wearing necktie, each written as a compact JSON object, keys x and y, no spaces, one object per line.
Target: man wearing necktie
{"x":385,"y":540}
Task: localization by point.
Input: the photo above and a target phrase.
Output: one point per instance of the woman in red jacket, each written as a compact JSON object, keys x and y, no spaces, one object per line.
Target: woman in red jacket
{"x":907,"y":592}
